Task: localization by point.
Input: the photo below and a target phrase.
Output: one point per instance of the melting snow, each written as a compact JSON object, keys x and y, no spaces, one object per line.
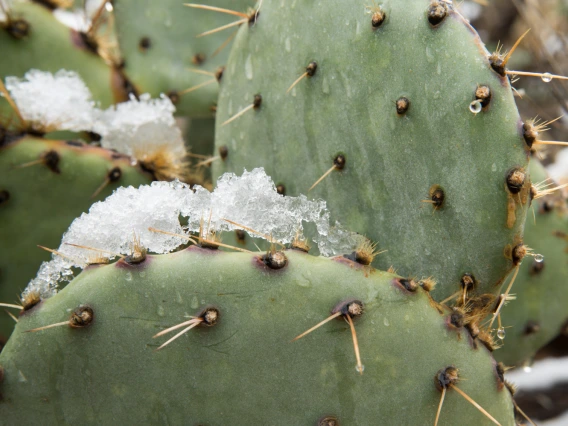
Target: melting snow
{"x":250,"y":200}
{"x":59,"y":101}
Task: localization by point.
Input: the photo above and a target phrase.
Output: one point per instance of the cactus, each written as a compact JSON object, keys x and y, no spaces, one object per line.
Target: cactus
{"x":539,"y":312}
{"x":45,"y":185}
{"x":158,"y":42}
{"x":50,"y":46}
{"x":400,"y":106}
{"x":108,"y":354}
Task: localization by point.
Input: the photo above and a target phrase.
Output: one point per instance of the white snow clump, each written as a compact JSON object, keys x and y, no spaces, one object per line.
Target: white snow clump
{"x":250,"y":200}
{"x":140,"y":126}
{"x":59,"y":101}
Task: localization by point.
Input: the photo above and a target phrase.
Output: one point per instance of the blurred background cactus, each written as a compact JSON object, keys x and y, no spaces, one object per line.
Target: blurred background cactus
{"x":418,"y":126}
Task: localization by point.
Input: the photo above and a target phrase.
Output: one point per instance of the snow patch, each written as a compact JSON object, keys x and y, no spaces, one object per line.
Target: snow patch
{"x":250,"y":200}
{"x":48,"y":102}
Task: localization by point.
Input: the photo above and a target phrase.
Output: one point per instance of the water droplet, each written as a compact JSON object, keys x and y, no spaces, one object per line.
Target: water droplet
{"x":21,"y":377}
{"x":539,"y":258}
{"x":475,"y":107}
{"x":494,"y":167}
{"x":501,"y":333}
{"x":161,"y":311}
{"x":248,"y":67}
{"x":359,"y":369}
{"x":386,"y":322}
{"x":527,"y":365}
{"x":546,"y":77}
{"x":287,"y":44}
{"x":527,"y":368}
{"x":128,"y":276}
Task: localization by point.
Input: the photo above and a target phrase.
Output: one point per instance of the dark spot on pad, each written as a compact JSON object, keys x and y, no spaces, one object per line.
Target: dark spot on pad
{"x":144,"y":44}
{"x":253,"y":17}
{"x":257,"y":101}
{"x":468,"y":282}
{"x":18,"y":28}
{"x":328,"y":421}
{"x":515,"y":180}
{"x":406,"y":284}
{"x":198,"y":59}
{"x":219,"y":73}
{"x":77,"y":144}
{"x":51,"y":161}
{"x":94,"y":137}
{"x":276,"y":260}
{"x":4,"y":197}
{"x":311,"y":68}
{"x":174,"y":96}
{"x":500,"y":370}
{"x":497,"y":62}
{"x":114,"y":174}
{"x":350,"y":307}
{"x":446,"y":377}
{"x":81,"y":317}
{"x":378,"y":17}
{"x":437,"y":12}
{"x":457,"y":318}
{"x":483,"y":94}
{"x":89,"y":43}
{"x":210,"y":316}
{"x":223,"y":152}
{"x":530,"y":134}
{"x":402,"y":105}
{"x":241,"y":235}
{"x":281,"y":189}
{"x":531,"y":327}
{"x":339,"y":161}
{"x":518,"y":253}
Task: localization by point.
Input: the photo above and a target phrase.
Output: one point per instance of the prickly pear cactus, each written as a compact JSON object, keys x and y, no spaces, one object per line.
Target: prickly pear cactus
{"x":159,"y":43}
{"x":399,"y":103}
{"x":44,"y":185}
{"x":539,"y":312}
{"x":247,"y":314}
{"x":49,"y":45}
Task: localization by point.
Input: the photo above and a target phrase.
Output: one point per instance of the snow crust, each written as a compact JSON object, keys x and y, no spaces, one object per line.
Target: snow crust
{"x":141,"y":125}
{"x":59,"y":101}
{"x":250,"y":200}
{"x":62,"y":101}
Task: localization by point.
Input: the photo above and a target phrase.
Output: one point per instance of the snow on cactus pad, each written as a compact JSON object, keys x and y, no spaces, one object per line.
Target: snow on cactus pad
{"x":250,"y":200}
{"x":390,"y":108}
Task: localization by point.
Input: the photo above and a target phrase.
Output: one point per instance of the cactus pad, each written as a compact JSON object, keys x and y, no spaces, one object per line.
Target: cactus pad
{"x":420,"y":135}
{"x":88,"y":370}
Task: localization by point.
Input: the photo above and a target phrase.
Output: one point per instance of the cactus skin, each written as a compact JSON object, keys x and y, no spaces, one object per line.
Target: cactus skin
{"x":392,"y":160}
{"x":169,"y":31}
{"x":539,"y":312}
{"x":42,"y":204}
{"x":50,"y":47}
{"x":90,"y":375}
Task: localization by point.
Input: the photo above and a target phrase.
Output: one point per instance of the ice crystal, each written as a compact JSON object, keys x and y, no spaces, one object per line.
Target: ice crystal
{"x":250,"y":200}
{"x":49,"y":102}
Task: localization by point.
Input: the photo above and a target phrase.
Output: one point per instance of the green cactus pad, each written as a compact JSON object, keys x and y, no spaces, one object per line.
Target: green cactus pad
{"x":158,"y":42}
{"x":539,"y":312}
{"x":43,"y":199}
{"x":244,"y":370}
{"x":389,"y":154}
{"x":51,"y":46}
